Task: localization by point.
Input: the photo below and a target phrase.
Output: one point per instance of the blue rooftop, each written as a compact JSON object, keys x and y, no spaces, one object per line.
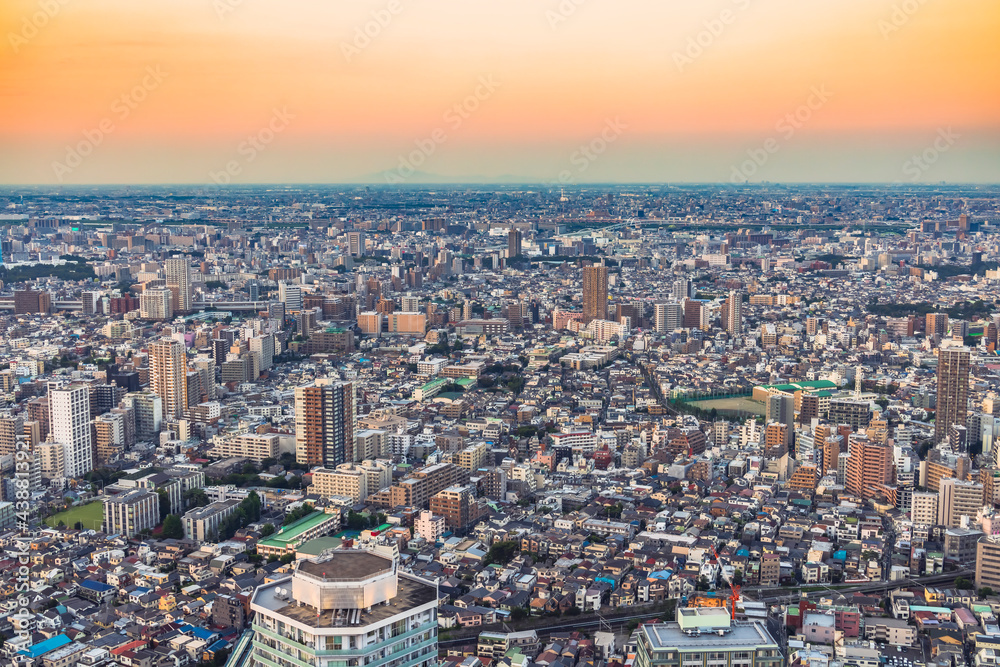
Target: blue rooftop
{"x":44,"y":647}
{"x":97,"y":586}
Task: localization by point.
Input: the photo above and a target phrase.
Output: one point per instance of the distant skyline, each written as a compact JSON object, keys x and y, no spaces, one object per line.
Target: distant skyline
{"x":452,"y":91}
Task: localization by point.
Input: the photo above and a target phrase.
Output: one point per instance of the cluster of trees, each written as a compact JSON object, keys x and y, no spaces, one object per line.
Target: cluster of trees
{"x":247,"y":512}
{"x":297,"y":513}
{"x":359,"y":521}
{"x":71,"y":271}
{"x":966,"y":310}
{"x":501,"y":552}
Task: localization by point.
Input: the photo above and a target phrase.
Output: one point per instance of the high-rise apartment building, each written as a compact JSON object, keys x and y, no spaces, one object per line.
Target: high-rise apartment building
{"x":952,"y":390}
{"x":936,"y":324}
{"x":325,"y":421}
{"x":781,"y":408}
{"x":514,"y":243}
{"x":956,"y":499}
{"x":178,"y":272}
{"x":131,"y":513}
{"x":869,"y":467}
{"x":595,"y":293}
{"x":732,"y":314}
{"x":11,"y":428}
{"x":458,"y":506}
{"x":156,"y":304}
{"x":924,"y":508}
{"x":349,"y":605}
{"x":681,"y":289}
{"x":69,"y":426}
{"x":168,"y":376}
{"x":27,"y":302}
{"x":988,"y":562}
{"x":668,"y":316}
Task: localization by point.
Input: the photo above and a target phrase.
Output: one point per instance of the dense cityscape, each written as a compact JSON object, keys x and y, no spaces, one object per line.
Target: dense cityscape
{"x":517,"y":426}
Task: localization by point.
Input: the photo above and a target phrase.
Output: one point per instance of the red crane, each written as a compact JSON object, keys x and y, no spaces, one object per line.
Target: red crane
{"x":734,"y":594}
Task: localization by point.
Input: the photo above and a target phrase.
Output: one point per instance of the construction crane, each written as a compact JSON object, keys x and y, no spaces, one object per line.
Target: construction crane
{"x":734,"y":594}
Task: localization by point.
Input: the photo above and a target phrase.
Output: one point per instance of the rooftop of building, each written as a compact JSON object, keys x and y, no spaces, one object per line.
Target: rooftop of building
{"x":410,"y":594}
{"x":346,"y":566}
{"x":293,"y":531}
{"x":663,"y":636}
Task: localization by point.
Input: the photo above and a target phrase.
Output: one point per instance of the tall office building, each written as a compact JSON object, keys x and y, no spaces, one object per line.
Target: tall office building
{"x":732,"y":313}
{"x":325,"y":420}
{"x":345,"y":605}
{"x":178,"y":272}
{"x":356,"y":243}
{"x":69,"y":415}
{"x":290,"y":295}
{"x":514,"y":243}
{"x":595,"y":293}
{"x":168,"y":376}
{"x":780,"y":408}
{"x":952,"y":390}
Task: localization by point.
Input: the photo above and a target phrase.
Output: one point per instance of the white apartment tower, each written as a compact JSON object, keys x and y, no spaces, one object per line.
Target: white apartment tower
{"x":69,"y":426}
{"x":179,"y":282}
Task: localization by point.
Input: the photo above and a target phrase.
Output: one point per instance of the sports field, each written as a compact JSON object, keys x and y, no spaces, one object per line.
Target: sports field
{"x":91,"y":514}
{"x":731,"y":406}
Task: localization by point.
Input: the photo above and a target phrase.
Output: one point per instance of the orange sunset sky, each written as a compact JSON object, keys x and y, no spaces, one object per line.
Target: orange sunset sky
{"x":80,"y":104}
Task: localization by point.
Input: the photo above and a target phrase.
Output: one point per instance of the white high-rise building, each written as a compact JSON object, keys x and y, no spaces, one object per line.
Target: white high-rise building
{"x":346,"y":605}
{"x":178,"y":272}
{"x":156,"y":304}
{"x":263,"y":346}
{"x":290,"y":295}
{"x":69,"y":426}
{"x":668,"y":316}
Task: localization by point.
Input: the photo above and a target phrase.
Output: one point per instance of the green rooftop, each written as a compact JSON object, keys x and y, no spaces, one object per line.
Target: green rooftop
{"x":434,"y":383}
{"x":318,"y":545}
{"x":290,"y":533}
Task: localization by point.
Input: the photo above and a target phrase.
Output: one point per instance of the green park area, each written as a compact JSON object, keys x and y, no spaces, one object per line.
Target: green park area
{"x":91,"y":515}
